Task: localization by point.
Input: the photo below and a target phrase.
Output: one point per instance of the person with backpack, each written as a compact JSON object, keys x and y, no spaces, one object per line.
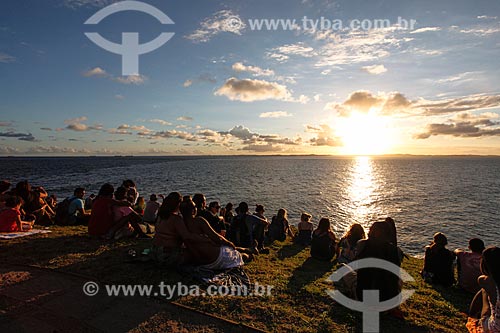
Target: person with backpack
{"x":77,"y":215}
{"x":244,"y":226}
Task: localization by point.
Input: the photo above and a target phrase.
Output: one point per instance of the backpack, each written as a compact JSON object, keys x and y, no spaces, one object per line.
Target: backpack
{"x":62,"y":214}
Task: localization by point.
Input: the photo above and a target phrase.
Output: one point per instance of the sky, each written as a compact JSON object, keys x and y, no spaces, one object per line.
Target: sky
{"x":319,"y":77}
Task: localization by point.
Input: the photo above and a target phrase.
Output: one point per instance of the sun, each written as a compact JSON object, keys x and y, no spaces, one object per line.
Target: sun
{"x":364,"y":134}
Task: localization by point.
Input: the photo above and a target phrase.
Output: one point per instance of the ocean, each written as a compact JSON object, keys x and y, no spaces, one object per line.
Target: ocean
{"x":459,"y":196}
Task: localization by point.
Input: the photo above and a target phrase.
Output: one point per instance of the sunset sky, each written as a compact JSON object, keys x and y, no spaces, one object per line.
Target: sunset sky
{"x":221,"y":88}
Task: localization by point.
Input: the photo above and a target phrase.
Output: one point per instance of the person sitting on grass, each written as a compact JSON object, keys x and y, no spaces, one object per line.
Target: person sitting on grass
{"x":247,"y":230}
{"x":323,"y":243}
{"x":279,"y":227}
{"x":126,"y":219}
{"x":438,"y":262}
{"x":10,"y":217}
{"x":151,"y":210}
{"x":77,"y":215}
{"x":346,"y":251}
{"x":305,"y":227}
{"x":102,"y":223}
{"x":484,"y":314}
{"x":379,"y":245}
{"x":140,"y":206}
{"x":469,"y":265}
{"x":217,"y":253}
{"x":172,"y":233}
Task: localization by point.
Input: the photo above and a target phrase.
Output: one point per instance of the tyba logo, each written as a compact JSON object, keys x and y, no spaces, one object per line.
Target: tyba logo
{"x":371,"y":305}
{"x":129,"y":49}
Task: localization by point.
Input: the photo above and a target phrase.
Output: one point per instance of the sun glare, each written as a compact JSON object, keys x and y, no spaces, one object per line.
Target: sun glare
{"x":364,"y":134}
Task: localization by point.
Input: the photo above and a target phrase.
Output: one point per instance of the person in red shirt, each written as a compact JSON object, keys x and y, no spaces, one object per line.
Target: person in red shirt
{"x":10,"y":218}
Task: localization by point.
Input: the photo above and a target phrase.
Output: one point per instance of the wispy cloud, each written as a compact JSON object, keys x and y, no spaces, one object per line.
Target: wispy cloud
{"x":161,"y":122}
{"x":6,"y":58}
{"x":256,"y":71}
{"x":185,"y":118}
{"x":99,"y":72}
{"x":275,"y":114}
{"x":426,"y":29}
{"x":221,"y":21}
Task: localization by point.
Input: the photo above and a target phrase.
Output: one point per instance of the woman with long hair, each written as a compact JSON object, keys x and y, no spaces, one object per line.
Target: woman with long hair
{"x":484,"y":314}
{"x":438,"y":262}
{"x":280,"y":227}
{"x":216,"y":252}
{"x":323,"y":244}
{"x":346,"y":251}
{"x":171,"y":233}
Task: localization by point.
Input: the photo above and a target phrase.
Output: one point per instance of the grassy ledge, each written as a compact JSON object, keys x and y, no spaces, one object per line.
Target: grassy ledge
{"x":298,"y":303}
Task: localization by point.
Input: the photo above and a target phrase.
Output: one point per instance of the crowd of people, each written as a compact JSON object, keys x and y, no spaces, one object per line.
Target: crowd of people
{"x":185,"y":231}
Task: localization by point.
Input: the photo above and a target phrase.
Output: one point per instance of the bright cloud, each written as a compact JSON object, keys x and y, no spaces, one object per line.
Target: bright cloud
{"x":375,"y":69}
{"x":247,"y":90}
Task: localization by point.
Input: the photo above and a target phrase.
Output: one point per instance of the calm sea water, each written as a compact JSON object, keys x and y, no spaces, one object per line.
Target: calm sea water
{"x":456,"y":195}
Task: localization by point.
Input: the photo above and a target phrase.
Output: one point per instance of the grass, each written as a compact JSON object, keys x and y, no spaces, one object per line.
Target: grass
{"x":298,"y":302}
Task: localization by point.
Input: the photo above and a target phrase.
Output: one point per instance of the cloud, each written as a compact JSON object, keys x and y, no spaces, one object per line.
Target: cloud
{"x":256,"y":71}
{"x":75,"y":4}
{"x":19,"y":136}
{"x":393,"y":103}
{"x":131,"y":79}
{"x":463,"y":77}
{"x":175,"y":134}
{"x":262,"y":148}
{"x":6,"y":58}
{"x":205,"y":77}
{"x":99,"y":72}
{"x":486,"y":17}
{"x":221,"y":21}
{"x":119,"y":97}
{"x":283,"y":53}
{"x":358,"y":46}
{"x":133,"y":128}
{"x":482,"y":31}
{"x":275,"y":114}
{"x":95,"y":72}
{"x":460,"y":104}
{"x":375,"y":69}
{"x":325,"y":136}
{"x":161,"y":122}
{"x":465,"y":129}
{"x":78,"y":127}
{"x":426,"y":29}
{"x":185,"y":118}
{"x":247,"y":90}
{"x":76,"y":124}
{"x":242,"y":132}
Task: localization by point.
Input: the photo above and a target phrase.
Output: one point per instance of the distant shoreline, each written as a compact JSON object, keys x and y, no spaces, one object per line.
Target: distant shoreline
{"x":255,"y":155}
